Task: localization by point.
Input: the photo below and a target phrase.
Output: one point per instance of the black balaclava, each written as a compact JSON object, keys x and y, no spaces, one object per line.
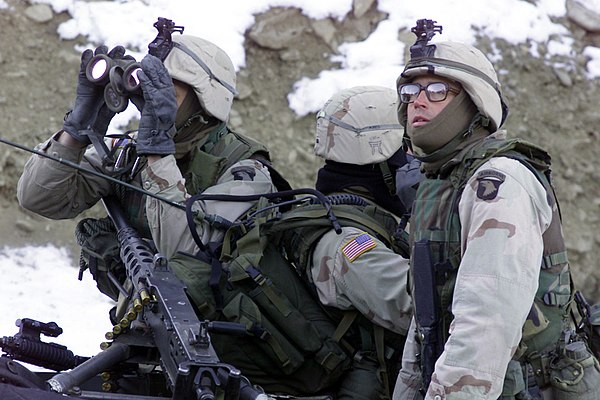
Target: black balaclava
{"x":192,"y":124}
{"x":363,"y":180}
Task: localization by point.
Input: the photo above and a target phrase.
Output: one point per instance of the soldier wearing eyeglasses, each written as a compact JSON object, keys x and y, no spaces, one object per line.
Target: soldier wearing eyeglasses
{"x":490,"y":278}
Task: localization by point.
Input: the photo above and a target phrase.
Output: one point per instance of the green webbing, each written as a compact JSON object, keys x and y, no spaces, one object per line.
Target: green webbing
{"x":550,"y":260}
{"x":388,"y":177}
{"x":344,"y":325}
{"x":378,"y":333}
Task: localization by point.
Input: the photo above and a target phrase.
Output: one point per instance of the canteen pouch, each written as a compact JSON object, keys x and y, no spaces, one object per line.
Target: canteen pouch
{"x":575,"y":374}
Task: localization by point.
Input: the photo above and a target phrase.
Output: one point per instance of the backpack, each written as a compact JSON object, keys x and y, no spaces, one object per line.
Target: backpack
{"x":291,"y":344}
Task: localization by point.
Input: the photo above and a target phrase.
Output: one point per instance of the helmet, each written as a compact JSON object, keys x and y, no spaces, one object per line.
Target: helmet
{"x":359,"y":126}
{"x":207,"y":69}
{"x":468,"y":66}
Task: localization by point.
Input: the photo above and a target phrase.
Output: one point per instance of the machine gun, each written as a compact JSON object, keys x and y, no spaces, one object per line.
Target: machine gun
{"x":160,"y":349}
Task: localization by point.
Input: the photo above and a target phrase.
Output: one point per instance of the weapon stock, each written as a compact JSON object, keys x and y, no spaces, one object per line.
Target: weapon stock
{"x":426,"y":310}
{"x":190,"y":364}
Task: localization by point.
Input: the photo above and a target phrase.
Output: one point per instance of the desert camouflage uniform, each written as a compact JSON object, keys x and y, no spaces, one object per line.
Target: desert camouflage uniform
{"x":359,"y":126}
{"x":374,"y":282}
{"x":168,"y":224}
{"x":501,"y":249}
{"x":490,"y":276}
{"x":58,"y":191}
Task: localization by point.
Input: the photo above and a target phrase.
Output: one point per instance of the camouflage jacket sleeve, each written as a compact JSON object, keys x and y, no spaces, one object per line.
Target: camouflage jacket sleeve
{"x":168,"y":224}
{"x":503,"y":212}
{"x":409,"y":379}
{"x":356,"y":270}
{"x":58,"y":191}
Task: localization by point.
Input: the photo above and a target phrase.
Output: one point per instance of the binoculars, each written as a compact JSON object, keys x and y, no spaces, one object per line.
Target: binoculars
{"x":119,"y":78}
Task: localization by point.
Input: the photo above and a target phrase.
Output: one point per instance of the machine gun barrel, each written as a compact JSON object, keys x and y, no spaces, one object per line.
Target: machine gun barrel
{"x":64,"y":381}
{"x":190,"y":363}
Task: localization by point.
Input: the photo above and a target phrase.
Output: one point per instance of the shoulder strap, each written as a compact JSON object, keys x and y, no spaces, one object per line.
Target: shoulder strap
{"x":521,"y":150}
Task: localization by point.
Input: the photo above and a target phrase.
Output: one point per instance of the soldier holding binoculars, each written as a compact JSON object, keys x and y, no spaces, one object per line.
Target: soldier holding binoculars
{"x":184,"y":89}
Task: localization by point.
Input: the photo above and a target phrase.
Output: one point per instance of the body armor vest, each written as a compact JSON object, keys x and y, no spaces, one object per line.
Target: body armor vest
{"x":435,"y":221}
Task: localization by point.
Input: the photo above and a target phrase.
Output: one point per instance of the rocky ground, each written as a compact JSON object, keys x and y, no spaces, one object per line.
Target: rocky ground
{"x":551,"y":106}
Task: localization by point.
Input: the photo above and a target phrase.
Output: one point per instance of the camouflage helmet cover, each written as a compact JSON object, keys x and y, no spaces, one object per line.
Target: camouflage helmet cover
{"x":359,"y":126}
{"x":468,"y":66}
{"x":207,"y":69}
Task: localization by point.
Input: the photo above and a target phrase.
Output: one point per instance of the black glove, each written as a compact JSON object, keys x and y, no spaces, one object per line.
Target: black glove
{"x":157,"y":122}
{"x":90,"y":111}
{"x":408,"y":178}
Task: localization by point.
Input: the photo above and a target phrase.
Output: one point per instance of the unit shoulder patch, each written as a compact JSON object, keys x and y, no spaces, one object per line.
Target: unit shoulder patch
{"x":358,"y":246}
{"x":489,"y":182}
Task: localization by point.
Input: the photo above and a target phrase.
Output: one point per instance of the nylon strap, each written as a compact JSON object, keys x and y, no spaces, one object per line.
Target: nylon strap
{"x":342,"y":124}
{"x":550,"y":260}
{"x":205,"y":68}
{"x":380,"y":349}
{"x":344,"y":325}
{"x":388,"y":177}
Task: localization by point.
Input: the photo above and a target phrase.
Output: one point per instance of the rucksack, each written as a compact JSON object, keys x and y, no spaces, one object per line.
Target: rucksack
{"x":292,"y":344}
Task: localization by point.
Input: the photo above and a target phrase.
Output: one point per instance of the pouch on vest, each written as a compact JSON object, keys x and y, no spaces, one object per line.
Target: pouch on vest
{"x":272,"y":283}
{"x":289,"y":336}
{"x":575,"y":374}
{"x":100,"y":253}
{"x":204,"y":171}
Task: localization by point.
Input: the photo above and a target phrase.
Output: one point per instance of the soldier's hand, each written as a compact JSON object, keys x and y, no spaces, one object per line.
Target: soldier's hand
{"x":157,"y":121}
{"x":89,"y":110}
{"x":408,"y":178}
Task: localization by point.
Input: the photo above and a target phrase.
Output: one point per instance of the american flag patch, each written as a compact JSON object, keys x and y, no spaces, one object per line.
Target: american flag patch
{"x":358,"y":246}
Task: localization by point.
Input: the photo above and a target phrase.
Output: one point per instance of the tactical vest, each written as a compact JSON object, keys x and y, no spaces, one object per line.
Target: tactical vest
{"x":221,"y":150}
{"x":206,"y":163}
{"x":204,"y":166}
{"x":435,"y":221}
{"x":293,"y":344}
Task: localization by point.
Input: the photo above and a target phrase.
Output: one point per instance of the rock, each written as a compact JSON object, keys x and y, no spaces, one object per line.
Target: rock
{"x":290,"y":55}
{"x":325,"y":29}
{"x":39,"y":13}
{"x":24,"y":226}
{"x":563,"y":77}
{"x":278,"y":29}
{"x":580,"y":243}
{"x":360,"y":7}
{"x":583,"y":16}
{"x":244,"y":90}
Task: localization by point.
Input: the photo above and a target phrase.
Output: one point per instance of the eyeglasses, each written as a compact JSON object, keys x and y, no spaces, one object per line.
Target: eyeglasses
{"x":435,"y":91}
